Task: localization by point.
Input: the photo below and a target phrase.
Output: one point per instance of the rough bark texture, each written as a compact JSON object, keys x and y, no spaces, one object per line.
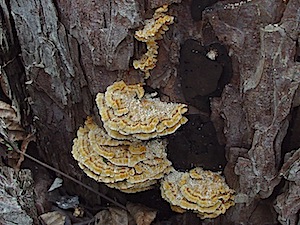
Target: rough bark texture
{"x":55,"y":83}
{"x":12,"y":76}
{"x":73,"y":49}
{"x":288,"y":203}
{"x":256,"y":106}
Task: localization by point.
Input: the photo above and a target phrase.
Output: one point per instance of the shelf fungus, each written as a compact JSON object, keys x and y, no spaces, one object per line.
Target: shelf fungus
{"x":128,"y":166}
{"x":204,"y":192}
{"x":130,"y":114}
{"x":153,"y":30}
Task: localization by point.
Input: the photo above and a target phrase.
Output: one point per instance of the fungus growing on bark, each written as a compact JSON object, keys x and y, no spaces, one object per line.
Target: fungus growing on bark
{"x":130,"y":114}
{"x":129,"y":167}
{"x":153,"y":30}
{"x":204,"y":192}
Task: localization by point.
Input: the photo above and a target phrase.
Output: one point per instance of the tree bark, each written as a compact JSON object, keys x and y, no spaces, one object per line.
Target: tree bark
{"x":58,"y":54}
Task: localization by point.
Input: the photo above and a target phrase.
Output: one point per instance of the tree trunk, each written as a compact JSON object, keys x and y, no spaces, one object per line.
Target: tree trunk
{"x":58,"y":54}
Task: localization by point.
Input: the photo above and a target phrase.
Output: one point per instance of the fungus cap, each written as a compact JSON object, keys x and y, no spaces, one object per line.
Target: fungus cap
{"x":203,"y":192}
{"x":128,"y":166}
{"x":128,"y":114}
{"x":156,"y":26}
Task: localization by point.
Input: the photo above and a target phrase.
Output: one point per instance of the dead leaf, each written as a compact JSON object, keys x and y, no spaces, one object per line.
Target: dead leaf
{"x":53,"y":218}
{"x":103,"y":217}
{"x":141,"y":214}
{"x":11,"y":123}
{"x":56,"y":184}
{"x":78,"y":212}
{"x":10,"y":127}
{"x":113,"y":216}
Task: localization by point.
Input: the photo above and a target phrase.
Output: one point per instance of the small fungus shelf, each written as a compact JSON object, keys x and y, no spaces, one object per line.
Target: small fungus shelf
{"x":152,"y":32}
{"x":204,"y":192}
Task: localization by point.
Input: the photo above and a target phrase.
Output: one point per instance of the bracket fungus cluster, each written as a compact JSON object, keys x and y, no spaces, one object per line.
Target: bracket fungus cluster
{"x":204,"y":192}
{"x":153,"y":30}
{"x":122,"y":156}
{"x":130,"y":114}
{"x":128,"y":166}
